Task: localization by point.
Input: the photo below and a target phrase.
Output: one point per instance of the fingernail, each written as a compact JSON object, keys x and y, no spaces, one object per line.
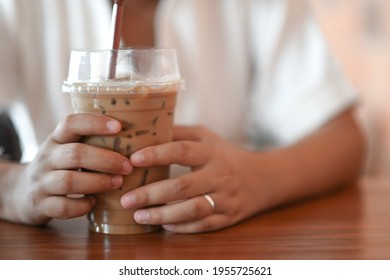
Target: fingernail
{"x":112,"y":125}
{"x":169,"y":227}
{"x":129,"y":201}
{"x":137,"y":158}
{"x":126,"y":167}
{"x":117,"y":181}
{"x":142,"y":216}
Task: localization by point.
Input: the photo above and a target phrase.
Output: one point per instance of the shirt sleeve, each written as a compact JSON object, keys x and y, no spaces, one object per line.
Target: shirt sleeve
{"x":297,"y":84}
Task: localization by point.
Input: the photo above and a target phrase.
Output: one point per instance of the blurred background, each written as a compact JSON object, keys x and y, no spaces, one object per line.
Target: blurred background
{"x":358,"y":32}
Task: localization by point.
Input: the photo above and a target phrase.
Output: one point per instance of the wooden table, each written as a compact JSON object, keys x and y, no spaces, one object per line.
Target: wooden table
{"x":350,"y":224}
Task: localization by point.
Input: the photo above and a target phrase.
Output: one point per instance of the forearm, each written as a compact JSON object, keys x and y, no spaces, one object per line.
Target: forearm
{"x":328,"y":159}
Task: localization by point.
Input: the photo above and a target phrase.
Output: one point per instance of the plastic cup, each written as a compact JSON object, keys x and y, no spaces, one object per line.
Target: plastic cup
{"x":142,"y":96}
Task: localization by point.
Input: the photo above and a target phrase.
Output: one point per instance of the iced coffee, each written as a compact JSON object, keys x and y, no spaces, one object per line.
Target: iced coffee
{"x":142,"y":97}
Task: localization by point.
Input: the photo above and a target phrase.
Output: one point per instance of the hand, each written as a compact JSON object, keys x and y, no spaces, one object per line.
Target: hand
{"x":42,"y":189}
{"x":240,"y":182}
{"x":219,"y":169}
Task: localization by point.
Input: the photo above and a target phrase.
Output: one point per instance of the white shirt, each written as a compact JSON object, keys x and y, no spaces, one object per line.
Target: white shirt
{"x":36,"y":39}
{"x":256,"y":71}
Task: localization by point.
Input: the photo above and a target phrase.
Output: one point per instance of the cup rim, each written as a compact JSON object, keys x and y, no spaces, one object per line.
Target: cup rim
{"x":82,"y":75}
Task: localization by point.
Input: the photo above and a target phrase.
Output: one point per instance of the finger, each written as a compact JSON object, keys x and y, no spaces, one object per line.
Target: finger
{"x":162,"y":192}
{"x":74,"y":182}
{"x":62,"y":207}
{"x":210,"y":223}
{"x":76,"y":125}
{"x":79,"y":155}
{"x":184,"y":211}
{"x":187,"y":153}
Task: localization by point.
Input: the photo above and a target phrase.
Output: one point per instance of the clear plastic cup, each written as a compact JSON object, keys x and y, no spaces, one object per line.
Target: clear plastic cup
{"x":138,"y":87}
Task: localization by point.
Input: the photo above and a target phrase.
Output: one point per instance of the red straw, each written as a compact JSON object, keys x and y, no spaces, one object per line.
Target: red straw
{"x":116,"y":23}
{"x":116,"y":32}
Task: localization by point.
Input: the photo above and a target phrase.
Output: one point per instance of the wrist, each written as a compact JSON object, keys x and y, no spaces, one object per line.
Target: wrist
{"x":10,"y":175}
